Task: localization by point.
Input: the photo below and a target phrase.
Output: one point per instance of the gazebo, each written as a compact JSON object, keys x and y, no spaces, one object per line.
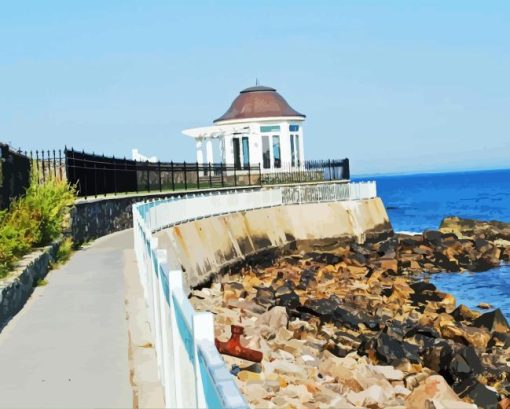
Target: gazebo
{"x":260,"y":127}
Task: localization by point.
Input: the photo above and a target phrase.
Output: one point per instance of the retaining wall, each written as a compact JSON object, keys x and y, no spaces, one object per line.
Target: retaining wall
{"x":17,"y":287}
{"x":93,"y":218}
{"x":205,"y":246}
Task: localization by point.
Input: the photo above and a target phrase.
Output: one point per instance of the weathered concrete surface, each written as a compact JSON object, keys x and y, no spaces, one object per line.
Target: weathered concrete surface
{"x":68,"y":347}
{"x":147,"y":388}
{"x":203,"y":246}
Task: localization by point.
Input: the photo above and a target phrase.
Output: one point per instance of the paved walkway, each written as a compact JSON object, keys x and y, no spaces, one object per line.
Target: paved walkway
{"x":68,"y":347}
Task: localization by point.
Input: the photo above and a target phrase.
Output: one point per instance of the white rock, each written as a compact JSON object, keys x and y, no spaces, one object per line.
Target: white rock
{"x":401,"y":390}
{"x":388,"y":372}
{"x":373,"y":395}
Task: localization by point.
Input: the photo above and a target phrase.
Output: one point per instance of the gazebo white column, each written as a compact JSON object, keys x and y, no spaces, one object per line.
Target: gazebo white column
{"x":200,"y":151}
{"x":209,"y":150}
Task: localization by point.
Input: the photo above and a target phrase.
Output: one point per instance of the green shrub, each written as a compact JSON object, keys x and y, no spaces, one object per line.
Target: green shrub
{"x":35,"y":219}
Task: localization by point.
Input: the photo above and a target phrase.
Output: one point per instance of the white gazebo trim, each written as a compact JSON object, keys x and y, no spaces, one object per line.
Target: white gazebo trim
{"x":261,"y":119}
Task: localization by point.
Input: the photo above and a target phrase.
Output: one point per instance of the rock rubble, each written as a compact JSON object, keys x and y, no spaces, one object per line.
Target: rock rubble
{"x":361,"y":327}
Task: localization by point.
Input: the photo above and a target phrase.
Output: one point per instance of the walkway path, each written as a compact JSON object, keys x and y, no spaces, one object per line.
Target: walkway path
{"x":68,"y":347}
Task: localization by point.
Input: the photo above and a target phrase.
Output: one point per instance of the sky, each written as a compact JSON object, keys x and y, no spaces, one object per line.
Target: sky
{"x":395,"y":86}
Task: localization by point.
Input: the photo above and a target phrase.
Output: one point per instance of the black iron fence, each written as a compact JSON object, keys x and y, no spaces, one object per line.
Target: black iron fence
{"x":96,"y":175}
{"x":15,"y":175}
{"x":101,"y":175}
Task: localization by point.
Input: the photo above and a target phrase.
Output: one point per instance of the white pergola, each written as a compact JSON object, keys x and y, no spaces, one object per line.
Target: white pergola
{"x":204,"y":137}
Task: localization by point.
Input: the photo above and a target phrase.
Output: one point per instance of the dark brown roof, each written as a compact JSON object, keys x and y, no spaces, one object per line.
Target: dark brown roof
{"x":258,"y":102}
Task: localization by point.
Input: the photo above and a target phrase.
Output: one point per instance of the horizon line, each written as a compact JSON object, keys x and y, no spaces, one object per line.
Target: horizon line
{"x":426,"y":172}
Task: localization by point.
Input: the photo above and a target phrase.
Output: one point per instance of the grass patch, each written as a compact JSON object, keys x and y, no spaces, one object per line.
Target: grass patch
{"x":65,"y":250}
{"x":41,"y":282}
{"x":63,"y":253}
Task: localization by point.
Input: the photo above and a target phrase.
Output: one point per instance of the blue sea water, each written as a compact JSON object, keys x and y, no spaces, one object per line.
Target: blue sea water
{"x":419,"y":202}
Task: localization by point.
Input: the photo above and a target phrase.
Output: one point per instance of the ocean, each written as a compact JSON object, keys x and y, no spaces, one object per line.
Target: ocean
{"x":419,"y":202}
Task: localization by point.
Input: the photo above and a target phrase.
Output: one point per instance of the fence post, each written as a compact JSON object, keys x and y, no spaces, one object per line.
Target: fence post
{"x":60,"y":163}
{"x":54,"y":164}
{"x":235,"y":177}
{"x":136,"y":173}
{"x":221,"y":172}
{"x":42,"y":163}
{"x":260,"y":174}
{"x":114,"y":176}
{"x":249,"y":174}
{"x":148,"y":176}
{"x":159,"y":173}
{"x":104,"y":176}
{"x":185,"y":177}
{"x":172,"y":172}
{"x":210,"y":175}
{"x":198,"y":178}
{"x":95,"y":177}
{"x":5,"y":176}
{"x":346,"y":172}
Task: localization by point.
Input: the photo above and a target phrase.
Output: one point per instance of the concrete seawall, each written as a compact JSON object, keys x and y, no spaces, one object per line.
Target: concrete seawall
{"x":203,"y":247}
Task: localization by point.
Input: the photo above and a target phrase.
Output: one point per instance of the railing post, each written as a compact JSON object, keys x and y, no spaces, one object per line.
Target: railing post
{"x":235,"y":177}
{"x":221,"y":172}
{"x":249,"y":174}
{"x":260,"y":174}
{"x":210,"y":176}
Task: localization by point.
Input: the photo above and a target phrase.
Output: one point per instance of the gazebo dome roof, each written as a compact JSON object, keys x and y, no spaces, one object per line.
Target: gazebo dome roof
{"x":258,"y":102}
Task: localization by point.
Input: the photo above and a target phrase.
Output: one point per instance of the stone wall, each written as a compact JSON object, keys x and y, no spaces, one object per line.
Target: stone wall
{"x":17,"y":287}
{"x":204,"y":247}
{"x":94,"y":218}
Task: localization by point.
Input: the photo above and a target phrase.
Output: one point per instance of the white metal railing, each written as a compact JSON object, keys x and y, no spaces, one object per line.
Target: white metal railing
{"x":191,"y":370}
{"x":330,"y":192}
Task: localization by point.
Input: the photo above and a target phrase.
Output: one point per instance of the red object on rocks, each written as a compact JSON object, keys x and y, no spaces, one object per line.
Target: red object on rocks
{"x":233,"y":346}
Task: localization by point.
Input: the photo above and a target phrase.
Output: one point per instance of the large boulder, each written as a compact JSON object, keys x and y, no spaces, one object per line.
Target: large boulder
{"x":389,"y":350}
{"x":438,"y":356}
{"x":265,"y":297}
{"x":477,"y":337}
{"x":434,"y":392}
{"x":432,"y":237}
{"x":494,"y":321}
{"x":323,"y":308}
{"x":465,"y":364}
{"x":481,"y":395}
{"x":463,"y":313}
{"x":289,"y":300}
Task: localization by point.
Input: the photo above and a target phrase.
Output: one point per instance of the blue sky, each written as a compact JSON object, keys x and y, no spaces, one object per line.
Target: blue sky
{"x":395,"y":86}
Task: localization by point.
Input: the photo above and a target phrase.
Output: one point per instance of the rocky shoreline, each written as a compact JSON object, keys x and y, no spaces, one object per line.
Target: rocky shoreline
{"x":360,"y":326}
